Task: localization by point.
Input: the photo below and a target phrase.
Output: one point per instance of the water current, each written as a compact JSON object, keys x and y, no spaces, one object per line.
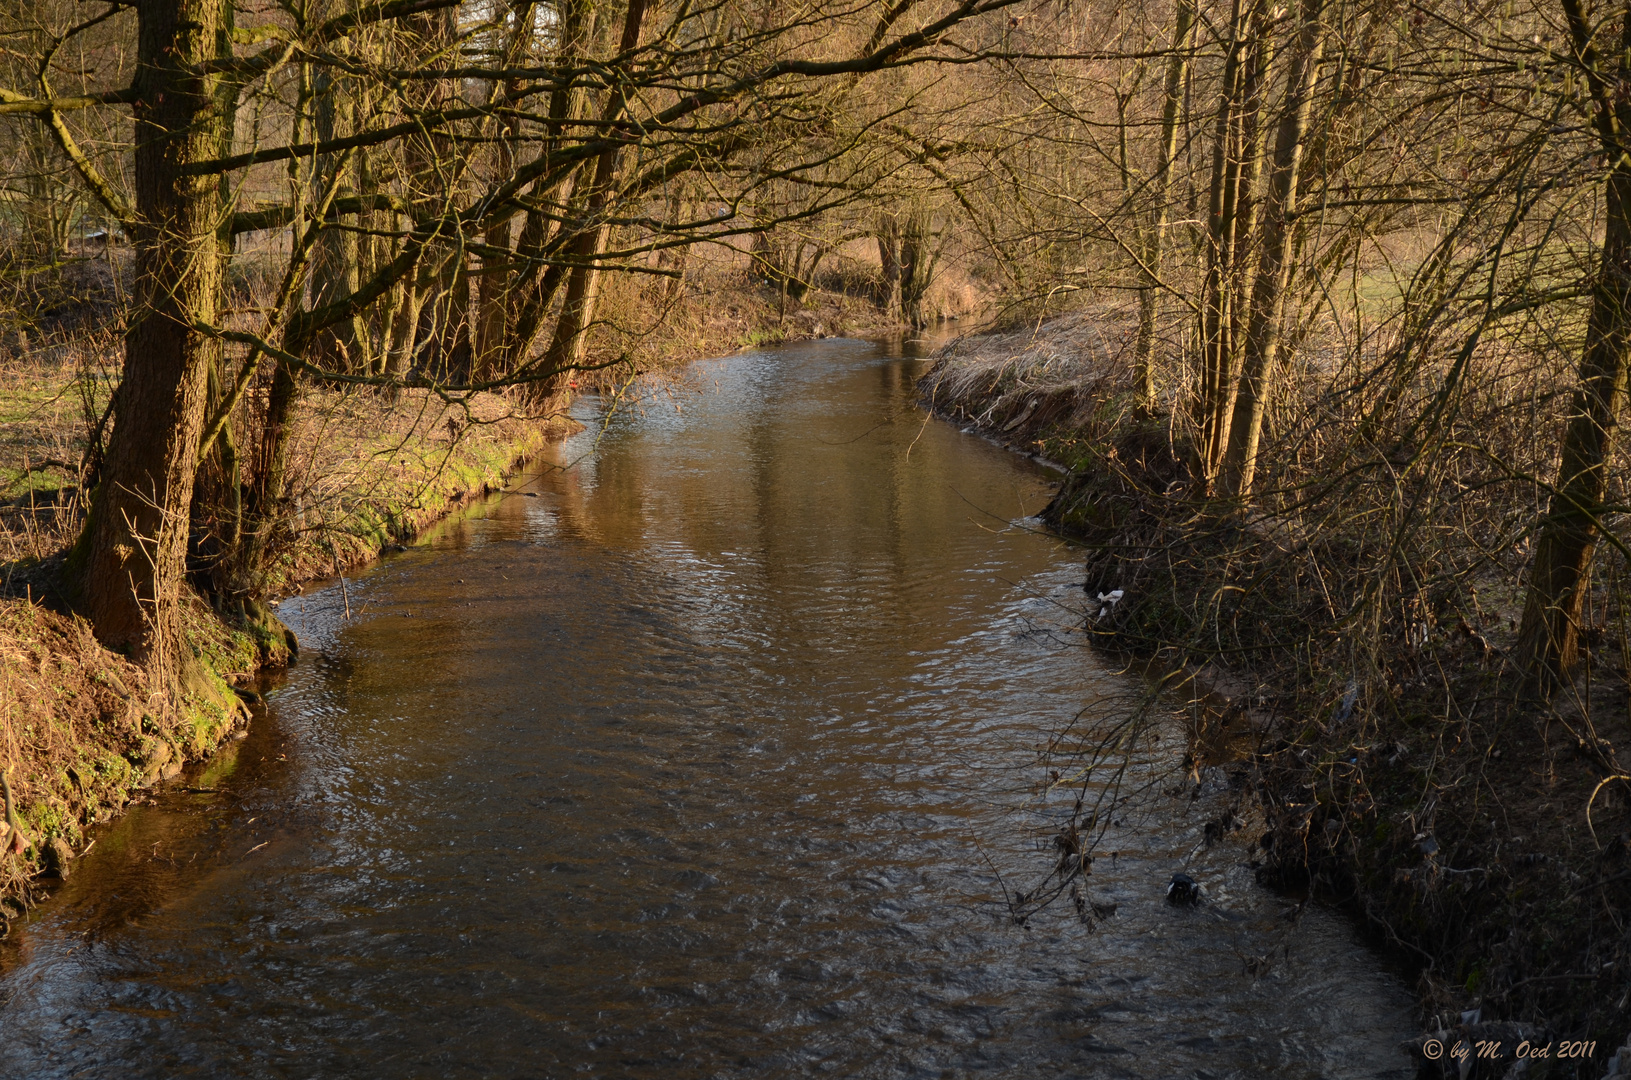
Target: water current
{"x":696,"y":753}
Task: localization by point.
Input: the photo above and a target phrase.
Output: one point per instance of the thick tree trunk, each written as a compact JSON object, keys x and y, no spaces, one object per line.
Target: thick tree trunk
{"x":130,"y":561}
{"x":1560,"y":576}
{"x":1160,"y":191}
{"x":403,"y":330}
{"x":918,"y":256}
{"x":1274,"y":266}
{"x":1561,"y":572}
{"x":889,"y":263}
{"x":578,"y":306}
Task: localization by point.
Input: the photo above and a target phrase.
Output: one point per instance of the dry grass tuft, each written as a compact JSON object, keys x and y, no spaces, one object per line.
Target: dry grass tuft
{"x":74,"y":721}
{"x":1070,"y":377}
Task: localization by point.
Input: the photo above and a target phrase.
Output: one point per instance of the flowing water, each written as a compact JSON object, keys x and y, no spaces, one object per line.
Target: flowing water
{"x":697,"y":754}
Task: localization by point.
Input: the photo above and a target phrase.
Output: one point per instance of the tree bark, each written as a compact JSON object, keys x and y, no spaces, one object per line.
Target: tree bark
{"x":531,"y":291}
{"x":1560,"y":575}
{"x":1274,"y":265}
{"x":1233,"y":243}
{"x":493,"y":291}
{"x":583,"y":286}
{"x":129,"y":563}
{"x":1220,"y":220}
{"x":889,"y":263}
{"x":919,"y":254}
{"x":335,"y":269}
{"x":1160,"y":191}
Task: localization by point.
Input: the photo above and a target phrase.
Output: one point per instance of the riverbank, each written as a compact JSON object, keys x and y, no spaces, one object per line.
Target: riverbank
{"x":82,"y":733}
{"x":1479,"y":834}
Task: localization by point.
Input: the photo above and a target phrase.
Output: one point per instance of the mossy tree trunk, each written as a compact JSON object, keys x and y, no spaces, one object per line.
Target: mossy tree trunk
{"x":131,"y":558}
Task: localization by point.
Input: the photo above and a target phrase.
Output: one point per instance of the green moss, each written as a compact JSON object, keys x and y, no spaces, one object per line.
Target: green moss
{"x":762,"y":336}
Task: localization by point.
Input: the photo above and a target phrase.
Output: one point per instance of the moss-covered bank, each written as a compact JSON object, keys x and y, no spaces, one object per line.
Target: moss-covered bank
{"x":82,"y":731}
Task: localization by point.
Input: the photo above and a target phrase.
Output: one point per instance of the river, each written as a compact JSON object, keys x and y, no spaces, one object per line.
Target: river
{"x":697,"y":753}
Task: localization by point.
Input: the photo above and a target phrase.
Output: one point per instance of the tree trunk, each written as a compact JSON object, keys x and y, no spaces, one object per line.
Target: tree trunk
{"x":889,"y":261}
{"x":1220,"y":232}
{"x":407,"y":297}
{"x":531,"y":290}
{"x":1274,"y":266}
{"x":493,"y":289}
{"x":1161,"y":187}
{"x":130,"y":561}
{"x":228,"y":499}
{"x":458,"y":361}
{"x":335,"y":262}
{"x":583,"y":286}
{"x":1232,"y":242}
{"x":1560,"y":576}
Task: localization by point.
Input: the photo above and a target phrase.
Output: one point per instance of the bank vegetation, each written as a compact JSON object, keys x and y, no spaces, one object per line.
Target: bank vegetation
{"x":1332,"y":338}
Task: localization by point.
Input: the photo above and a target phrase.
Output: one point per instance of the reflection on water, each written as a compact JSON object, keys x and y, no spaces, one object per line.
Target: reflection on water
{"x":696,"y":759}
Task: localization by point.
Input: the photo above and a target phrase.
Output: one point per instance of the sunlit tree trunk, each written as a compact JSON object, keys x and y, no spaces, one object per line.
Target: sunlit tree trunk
{"x":1221,"y":220}
{"x":1160,"y":191}
{"x":532,"y":289}
{"x":493,"y":289}
{"x":1248,"y":199}
{"x":583,"y":284}
{"x":1233,"y":243}
{"x":1560,"y":575}
{"x":225,"y":448}
{"x":130,"y":560}
{"x":1274,"y":266}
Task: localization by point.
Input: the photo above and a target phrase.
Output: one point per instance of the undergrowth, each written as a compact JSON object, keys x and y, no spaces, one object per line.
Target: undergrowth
{"x":1352,"y":625}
